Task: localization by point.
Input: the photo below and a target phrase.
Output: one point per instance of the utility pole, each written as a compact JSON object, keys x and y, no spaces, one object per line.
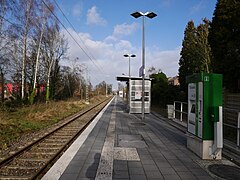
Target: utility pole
{"x":106,"y":90}
{"x":87,"y":94}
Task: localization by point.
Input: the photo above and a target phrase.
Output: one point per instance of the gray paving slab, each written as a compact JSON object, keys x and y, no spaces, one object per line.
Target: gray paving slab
{"x":120,"y":143}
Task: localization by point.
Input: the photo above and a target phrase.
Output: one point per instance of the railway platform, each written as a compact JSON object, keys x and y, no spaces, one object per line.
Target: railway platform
{"x":118,"y":145}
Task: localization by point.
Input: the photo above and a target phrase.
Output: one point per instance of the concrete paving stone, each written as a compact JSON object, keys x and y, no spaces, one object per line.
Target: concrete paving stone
{"x":199,"y":172}
{"x":154,"y":174}
{"x":204,"y":178}
{"x":192,"y":165}
{"x":98,"y":144}
{"x":79,"y":158}
{"x":91,"y":167}
{"x":159,"y":159}
{"x":163,"y":163}
{"x":120,"y":162}
{"x":99,"y":141}
{"x":66,"y":176}
{"x":120,"y":178}
{"x":85,"y":149}
{"x":145,"y":157}
{"x":132,"y":154}
{"x":150,"y":167}
{"x":94,"y":154}
{"x":76,"y":163}
{"x":85,"y":178}
{"x":82,"y":153}
{"x":171,"y":157}
{"x":134,"y":164}
{"x":175,"y":162}
{"x":92,"y":160}
{"x":71,"y":169}
{"x":180,"y":168}
{"x":138,"y":177}
{"x":171,"y":177}
{"x":97,"y":148}
{"x":184,"y":159}
{"x":142,"y":151}
{"x":120,"y":167}
{"x":120,"y":174}
{"x":153,"y":149}
{"x":169,"y":171}
{"x":187,"y":175}
{"x":120,"y":153}
{"x":137,"y":170}
{"x":147,"y":161}
{"x":90,"y":174}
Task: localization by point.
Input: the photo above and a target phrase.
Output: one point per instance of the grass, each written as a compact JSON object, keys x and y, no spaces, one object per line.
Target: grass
{"x":33,"y":118}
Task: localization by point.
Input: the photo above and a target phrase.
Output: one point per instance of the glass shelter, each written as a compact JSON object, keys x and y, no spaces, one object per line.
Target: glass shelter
{"x":134,"y":91}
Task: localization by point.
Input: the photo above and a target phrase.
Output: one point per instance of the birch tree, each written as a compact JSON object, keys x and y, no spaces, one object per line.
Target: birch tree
{"x":55,"y":47}
{"x":44,"y":15}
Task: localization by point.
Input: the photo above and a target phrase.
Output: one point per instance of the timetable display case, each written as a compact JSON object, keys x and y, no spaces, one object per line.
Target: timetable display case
{"x":135,"y":96}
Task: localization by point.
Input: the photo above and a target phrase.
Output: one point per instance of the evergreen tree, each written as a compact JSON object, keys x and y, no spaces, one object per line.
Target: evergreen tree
{"x":203,"y":47}
{"x":188,"y":54}
{"x":224,"y":38}
{"x":196,"y":52}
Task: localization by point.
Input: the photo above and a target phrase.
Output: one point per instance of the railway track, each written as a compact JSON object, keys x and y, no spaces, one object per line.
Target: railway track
{"x":30,"y":161}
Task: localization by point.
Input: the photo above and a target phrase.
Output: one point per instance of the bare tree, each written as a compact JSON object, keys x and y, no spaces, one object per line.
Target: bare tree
{"x":43,"y":17}
{"x":55,"y":47}
{"x":5,"y":44}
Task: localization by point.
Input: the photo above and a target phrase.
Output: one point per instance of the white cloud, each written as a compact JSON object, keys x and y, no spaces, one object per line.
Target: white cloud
{"x":124,"y":29}
{"x":121,"y":30}
{"x":77,"y":10}
{"x":167,"y":61}
{"x":93,"y":17}
{"x":108,"y":56}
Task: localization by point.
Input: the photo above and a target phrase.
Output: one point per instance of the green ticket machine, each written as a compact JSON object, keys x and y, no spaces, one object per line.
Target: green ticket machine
{"x":204,"y":135}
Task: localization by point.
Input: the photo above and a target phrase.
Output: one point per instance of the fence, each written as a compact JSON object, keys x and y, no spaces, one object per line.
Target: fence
{"x":231,"y":125}
{"x":180,"y":110}
{"x":231,"y":120}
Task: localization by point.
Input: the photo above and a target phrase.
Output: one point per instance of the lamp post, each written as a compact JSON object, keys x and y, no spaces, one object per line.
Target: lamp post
{"x":149,"y":15}
{"x":129,"y":74}
{"x":129,"y":56}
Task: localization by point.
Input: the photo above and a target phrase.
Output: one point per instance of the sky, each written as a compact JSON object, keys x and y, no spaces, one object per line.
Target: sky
{"x":105,"y":31}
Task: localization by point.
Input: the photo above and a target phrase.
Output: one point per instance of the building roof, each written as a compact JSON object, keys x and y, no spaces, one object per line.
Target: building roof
{"x":126,"y":78}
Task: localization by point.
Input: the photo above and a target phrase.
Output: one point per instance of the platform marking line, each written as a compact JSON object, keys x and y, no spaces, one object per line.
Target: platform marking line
{"x":105,"y":167}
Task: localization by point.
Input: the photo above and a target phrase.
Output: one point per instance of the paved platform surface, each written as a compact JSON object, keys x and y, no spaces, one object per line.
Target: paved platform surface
{"x":122,"y":146}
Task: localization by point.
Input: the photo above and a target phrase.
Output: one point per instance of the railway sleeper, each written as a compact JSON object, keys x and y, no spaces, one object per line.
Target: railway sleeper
{"x":15,"y":178}
{"x":41,"y":153}
{"x":64,"y":134}
{"x":33,"y":159}
{"x":61,"y":137}
{"x":50,"y":144}
{"x":61,"y":141}
{"x":22,"y":168}
{"x":49,"y":148}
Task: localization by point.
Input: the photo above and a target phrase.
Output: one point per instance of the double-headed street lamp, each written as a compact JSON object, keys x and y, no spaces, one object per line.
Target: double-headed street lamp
{"x":129,"y":56}
{"x":149,"y":15}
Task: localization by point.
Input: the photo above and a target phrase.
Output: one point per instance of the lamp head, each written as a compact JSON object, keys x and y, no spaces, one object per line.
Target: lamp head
{"x":151,"y":15}
{"x":137,"y":14}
